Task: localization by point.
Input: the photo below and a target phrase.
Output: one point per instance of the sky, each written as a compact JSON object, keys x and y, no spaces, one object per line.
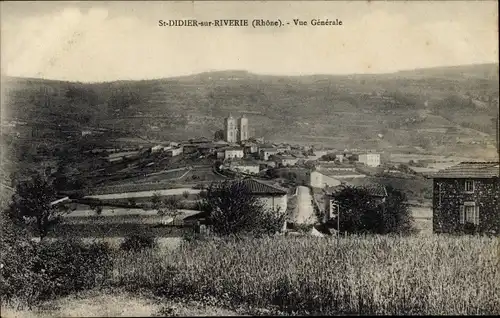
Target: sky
{"x":106,"y":41}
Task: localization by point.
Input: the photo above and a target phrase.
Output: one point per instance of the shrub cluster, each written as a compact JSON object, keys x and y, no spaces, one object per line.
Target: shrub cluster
{"x":138,"y":242}
{"x":69,"y":266}
{"x":32,"y":271}
{"x":18,"y":256}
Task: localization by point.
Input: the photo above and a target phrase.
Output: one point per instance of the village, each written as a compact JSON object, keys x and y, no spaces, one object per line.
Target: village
{"x":117,"y":184}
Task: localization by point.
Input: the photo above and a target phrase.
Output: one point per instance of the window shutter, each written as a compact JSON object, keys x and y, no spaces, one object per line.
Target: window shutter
{"x":476,"y":216}
{"x":462,"y":214}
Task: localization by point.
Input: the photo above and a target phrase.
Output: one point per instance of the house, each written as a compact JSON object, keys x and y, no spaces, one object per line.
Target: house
{"x":376,"y":191}
{"x":285,"y":160}
{"x":329,"y":170}
{"x":283,"y":148}
{"x":466,"y":197}
{"x":339,"y":158}
{"x":221,"y":153}
{"x":250,"y":148}
{"x":265,"y":153}
{"x":320,"y":153}
{"x":208,"y":148}
{"x":175,"y":151}
{"x":220,"y":143}
{"x":248,"y":167}
{"x":267,"y":165}
{"x":157,"y":148}
{"x":370,"y":159}
{"x":317,"y":179}
{"x":333,"y":166}
{"x":233,"y":152}
{"x":272,"y":196}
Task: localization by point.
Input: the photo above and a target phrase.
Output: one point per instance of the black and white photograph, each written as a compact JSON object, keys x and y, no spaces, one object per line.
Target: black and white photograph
{"x":249,"y":158}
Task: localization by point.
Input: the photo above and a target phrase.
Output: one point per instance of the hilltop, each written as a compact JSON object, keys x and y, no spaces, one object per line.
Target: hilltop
{"x":445,"y":110}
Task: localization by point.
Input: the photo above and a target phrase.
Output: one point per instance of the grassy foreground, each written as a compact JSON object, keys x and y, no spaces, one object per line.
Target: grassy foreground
{"x":359,"y":275}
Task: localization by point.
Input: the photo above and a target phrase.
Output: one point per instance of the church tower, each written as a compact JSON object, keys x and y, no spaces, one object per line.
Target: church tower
{"x":230,"y":129}
{"x":243,"y":129}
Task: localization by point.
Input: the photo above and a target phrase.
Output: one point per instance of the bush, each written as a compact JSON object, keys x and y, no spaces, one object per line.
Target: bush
{"x":362,"y":213}
{"x":33,"y":272}
{"x":17,"y":257}
{"x":138,"y":242}
{"x":68,"y":266}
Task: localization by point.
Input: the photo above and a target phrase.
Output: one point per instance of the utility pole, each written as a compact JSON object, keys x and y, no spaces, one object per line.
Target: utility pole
{"x":334,"y":207}
{"x":498,"y":136}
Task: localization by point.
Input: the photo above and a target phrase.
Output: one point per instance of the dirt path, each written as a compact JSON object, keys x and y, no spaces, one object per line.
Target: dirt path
{"x":120,"y":304}
{"x":304,"y":212}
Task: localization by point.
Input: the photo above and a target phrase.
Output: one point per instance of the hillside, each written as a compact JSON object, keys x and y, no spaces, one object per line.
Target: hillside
{"x":442,"y":110}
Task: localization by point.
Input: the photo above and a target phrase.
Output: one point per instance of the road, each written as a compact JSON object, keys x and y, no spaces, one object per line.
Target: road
{"x":304,"y":212}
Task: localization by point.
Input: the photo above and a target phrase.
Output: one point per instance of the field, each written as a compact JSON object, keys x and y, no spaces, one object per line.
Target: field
{"x":359,"y":275}
{"x":354,"y":275}
{"x":144,"y":194}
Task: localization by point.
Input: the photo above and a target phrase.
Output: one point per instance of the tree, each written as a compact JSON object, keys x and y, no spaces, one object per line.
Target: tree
{"x":328,"y":157}
{"x":96,"y":207}
{"x":232,"y":209}
{"x":358,"y":210}
{"x":397,"y":216}
{"x":219,"y":135}
{"x":167,"y":207}
{"x":32,"y":202}
{"x":131,"y":201}
{"x":361,"y":212}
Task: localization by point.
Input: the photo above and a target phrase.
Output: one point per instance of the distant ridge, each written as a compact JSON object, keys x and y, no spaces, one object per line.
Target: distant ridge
{"x":445,"y":109}
{"x":486,"y":70}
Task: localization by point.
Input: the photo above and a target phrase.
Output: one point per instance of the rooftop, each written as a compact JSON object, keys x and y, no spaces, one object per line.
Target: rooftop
{"x":268,"y":149}
{"x":233,"y":148}
{"x":261,"y":187}
{"x":244,"y":162}
{"x":470,"y":170}
{"x":339,"y":173}
{"x":375,"y":190}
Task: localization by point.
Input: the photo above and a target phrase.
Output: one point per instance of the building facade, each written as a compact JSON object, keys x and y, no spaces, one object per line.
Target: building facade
{"x":175,"y":151}
{"x":230,"y":129}
{"x":466,"y":198}
{"x":235,"y":130}
{"x":320,"y":180}
{"x":244,"y":166}
{"x":231,"y":153}
{"x":370,"y":159}
{"x":242,"y":129}
{"x":274,"y":198}
{"x":265,"y":153}
{"x":377,"y":192}
{"x":286,"y":160}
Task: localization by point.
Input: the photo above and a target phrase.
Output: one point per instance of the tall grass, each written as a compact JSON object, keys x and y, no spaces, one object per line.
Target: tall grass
{"x":356,"y":275}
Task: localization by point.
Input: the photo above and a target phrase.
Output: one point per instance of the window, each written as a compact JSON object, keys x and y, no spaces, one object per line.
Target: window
{"x":469,"y":186}
{"x":469,"y":213}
